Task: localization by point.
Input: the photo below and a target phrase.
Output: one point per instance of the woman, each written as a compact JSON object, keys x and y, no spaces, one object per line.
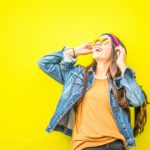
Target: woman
{"x":94,"y":105}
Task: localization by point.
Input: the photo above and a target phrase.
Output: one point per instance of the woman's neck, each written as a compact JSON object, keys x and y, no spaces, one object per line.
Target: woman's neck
{"x":102,"y":69}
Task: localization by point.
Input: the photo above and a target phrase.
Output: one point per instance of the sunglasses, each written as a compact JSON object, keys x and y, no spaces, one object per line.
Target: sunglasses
{"x":97,"y":39}
{"x":102,"y":40}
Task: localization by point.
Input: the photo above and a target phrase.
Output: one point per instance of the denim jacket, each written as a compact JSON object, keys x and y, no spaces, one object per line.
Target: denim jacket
{"x":61,"y":67}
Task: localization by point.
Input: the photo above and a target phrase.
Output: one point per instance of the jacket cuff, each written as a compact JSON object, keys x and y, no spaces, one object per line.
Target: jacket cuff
{"x":127,"y":76}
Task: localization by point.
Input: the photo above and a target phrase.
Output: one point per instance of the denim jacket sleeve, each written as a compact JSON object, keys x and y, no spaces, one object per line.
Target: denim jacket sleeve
{"x":57,"y":64}
{"x":134,"y":92}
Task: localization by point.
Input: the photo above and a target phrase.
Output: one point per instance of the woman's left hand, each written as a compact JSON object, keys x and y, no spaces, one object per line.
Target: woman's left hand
{"x":121,"y":58}
{"x":121,"y":55}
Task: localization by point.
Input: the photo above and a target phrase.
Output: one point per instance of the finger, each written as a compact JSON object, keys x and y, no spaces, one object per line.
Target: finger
{"x":89,"y":46}
{"x":117,"y":48}
{"x":89,"y":42}
{"x":90,"y":50}
{"x":123,"y":50}
{"x":118,"y":53}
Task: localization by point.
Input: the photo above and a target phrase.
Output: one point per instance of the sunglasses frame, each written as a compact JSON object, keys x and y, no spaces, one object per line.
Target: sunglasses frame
{"x":95,"y":40}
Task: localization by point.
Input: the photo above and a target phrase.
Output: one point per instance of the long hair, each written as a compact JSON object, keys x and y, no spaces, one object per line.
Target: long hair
{"x":140,"y":112}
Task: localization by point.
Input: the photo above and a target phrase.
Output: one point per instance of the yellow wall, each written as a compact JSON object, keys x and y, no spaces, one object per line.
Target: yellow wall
{"x":31,"y":29}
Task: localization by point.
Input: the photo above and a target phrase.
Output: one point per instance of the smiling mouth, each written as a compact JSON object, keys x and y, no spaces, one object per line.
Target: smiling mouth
{"x":98,"y":50}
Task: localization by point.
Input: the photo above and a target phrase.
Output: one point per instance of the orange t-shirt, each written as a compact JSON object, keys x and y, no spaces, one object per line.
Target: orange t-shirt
{"x":94,"y":124}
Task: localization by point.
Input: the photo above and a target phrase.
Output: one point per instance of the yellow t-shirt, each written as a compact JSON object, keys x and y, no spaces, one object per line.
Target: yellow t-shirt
{"x":94,"y":124}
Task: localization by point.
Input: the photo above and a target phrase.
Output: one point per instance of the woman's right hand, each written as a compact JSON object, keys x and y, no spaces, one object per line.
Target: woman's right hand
{"x":84,"y":49}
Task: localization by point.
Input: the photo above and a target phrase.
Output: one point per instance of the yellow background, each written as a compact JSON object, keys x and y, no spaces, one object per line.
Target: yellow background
{"x":32,"y":29}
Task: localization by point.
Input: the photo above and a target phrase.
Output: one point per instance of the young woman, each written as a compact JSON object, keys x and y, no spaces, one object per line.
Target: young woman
{"x":94,"y":105}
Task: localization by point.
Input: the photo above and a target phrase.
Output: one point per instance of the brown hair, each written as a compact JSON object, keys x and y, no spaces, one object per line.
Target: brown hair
{"x":140,"y":113}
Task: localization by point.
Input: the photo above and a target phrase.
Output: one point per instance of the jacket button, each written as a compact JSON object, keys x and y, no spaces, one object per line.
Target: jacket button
{"x":129,"y":141}
{"x":124,"y":127}
{"x":115,"y":108}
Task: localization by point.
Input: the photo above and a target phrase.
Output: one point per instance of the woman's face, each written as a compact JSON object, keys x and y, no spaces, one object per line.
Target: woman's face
{"x":102,"y":49}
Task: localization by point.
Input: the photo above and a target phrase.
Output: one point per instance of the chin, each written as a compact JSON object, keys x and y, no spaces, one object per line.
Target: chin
{"x":99,"y":58}
{"x":95,"y":56}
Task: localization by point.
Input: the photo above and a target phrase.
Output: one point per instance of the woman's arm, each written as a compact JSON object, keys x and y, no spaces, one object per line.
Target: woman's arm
{"x":58,"y":64}
{"x":134,"y":92}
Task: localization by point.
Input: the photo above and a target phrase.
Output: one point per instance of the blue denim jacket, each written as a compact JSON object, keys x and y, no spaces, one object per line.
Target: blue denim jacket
{"x":60,"y":67}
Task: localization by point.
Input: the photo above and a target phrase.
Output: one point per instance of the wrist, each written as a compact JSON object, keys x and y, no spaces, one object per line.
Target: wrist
{"x":122,"y":67}
{"x":69,"y":52}
{"x":77,"y":50}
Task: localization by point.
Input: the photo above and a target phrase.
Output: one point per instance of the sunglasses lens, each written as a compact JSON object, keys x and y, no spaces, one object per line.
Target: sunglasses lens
{"x":94,"y":41}
{"x":104,"y":39}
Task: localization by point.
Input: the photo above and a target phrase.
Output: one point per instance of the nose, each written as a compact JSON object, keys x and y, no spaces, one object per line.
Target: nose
{"x":98,"y":45}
